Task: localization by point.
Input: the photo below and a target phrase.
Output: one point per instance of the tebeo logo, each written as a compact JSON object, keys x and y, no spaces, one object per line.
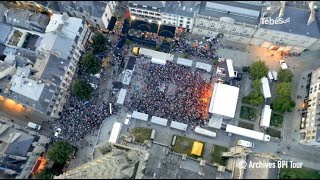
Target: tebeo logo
{"x":270,"y":21}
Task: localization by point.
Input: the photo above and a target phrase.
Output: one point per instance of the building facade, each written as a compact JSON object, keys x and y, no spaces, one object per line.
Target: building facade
{"x":236,"y":21}
{"x":175,"y":13}
{"x":310,"y":122}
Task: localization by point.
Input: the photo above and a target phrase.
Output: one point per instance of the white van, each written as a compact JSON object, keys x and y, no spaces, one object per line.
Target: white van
{"x":275,"y":75}
{"x":34,"y":126}
{"x":270,"y":75}
{"x":128,"y":118}
{"x":245,"y":143}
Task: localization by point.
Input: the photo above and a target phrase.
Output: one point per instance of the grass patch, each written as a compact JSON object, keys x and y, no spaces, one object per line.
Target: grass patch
{"x":299,"y":173}
{"x":184,"y":146}
{"x":248,"y":113}
{"x":246,"y":125}
{"x":273,"y":132}
{"x":276,"y":120}
{"x":141,"y":134}
{"x":217,"y":155}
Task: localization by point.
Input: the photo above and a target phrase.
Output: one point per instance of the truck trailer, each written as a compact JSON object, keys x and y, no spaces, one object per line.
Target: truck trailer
{"x":204,"y":132}
{"x":152,"y":53}
{"x":247,"y":133}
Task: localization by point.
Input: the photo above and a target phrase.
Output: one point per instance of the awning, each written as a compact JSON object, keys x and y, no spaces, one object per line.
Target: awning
{"x":126,"y":26}
{"x":112,"y":22}
{"x":167,"y":31}
{"x":197,"y":148}
{"x":144,"y":26}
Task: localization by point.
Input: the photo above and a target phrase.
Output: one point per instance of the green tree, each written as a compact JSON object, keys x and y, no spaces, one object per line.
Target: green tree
{"x":128,"y":42}
{"x":44,"y":174}
{"x":157,"y":47}
{"x":283,"y":104}
{"x":186,"y":55}
{"x":254,"y":98}
{"x":283,"y":89}
{"x":60,"y":152}
{"x":285,"y":75}
{"x":256,"y":84}
{"x":81,"y":89}
{"x":91,"y":63}
{"x":214,"y":61}
{"x":258,"y":70}
{"x":99,"y":43}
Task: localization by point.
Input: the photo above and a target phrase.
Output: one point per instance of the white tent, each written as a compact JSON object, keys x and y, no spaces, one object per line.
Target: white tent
{"x":178,"y":125}
{"x":127,"y":77}
{"x":121,"y":96}
{"x":204,"y":66}
{"x":156,"y":54}
{"x":160,"y":121}
{"x":140,"y":116}
{"x":265,"y":116}
{"x":158,"y":61}
{"x":115,"y":132}
{"x":265,"y":88}
{"x":185,"y":62}
{"x":224,"y":100}
{"x":230,"y":68}
{"x":215,"y":121}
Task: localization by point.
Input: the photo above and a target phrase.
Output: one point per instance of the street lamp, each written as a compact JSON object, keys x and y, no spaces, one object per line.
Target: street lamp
{"x":159,"y":22}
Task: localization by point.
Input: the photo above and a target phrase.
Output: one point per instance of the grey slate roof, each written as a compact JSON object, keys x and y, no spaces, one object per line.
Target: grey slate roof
{"x":173,"y":7}
{"x":94,"y":8}
{"x":3,"y":9}
{"x":4,"y":32}
{"x":54,"y":68}
{"x":298,"y":23}
{"x":240,"y":19}
{"x":27,"y":19}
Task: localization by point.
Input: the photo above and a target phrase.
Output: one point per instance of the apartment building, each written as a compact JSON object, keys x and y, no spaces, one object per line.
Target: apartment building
{"x":237,"y":21}
{"x":146,"y":10}
{"x":175,"y":13}
{"x":310,"y":122}
{"x":96,"y":13}
{"x":42,"y":75}
{"x":299,"y":33}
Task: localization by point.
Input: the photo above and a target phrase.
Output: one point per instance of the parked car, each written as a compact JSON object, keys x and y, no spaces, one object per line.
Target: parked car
{"x":270,"y":75}
{"x":34,"y":126}
{"x":275,"y":75}
{"x":245,"y":143}
{"x":283,"y":64}
{"x":57,"y":132}
{"x":128,"y":118}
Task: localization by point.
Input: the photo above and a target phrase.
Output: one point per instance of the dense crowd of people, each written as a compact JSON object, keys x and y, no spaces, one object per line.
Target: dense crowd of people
{"x":206,"y":49}
{"x":190,"y":102}
{"x":80,"y":118}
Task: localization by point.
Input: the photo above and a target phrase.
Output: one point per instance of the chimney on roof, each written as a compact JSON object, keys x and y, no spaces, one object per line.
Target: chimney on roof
{"x":312,"y":13}
{"x":282,"y":7}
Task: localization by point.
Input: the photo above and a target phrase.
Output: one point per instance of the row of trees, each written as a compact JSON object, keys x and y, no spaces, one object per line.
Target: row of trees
{"x":283,"y":102}
{"x":92,"y":65}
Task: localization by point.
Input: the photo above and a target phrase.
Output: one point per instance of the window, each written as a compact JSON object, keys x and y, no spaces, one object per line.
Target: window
{"x":223,"y":27}
{"x":189,"y":19}
{"x":181,"y":17}
{"x":308,"y":138}
{"x":144,"y":6}
{"x":313,"y":131}
{"x":164,"y":21}
{"x":212,"y":25}
{"x":139,"y":11}
{"x":188,"y":22}
{"x":181,"y":21}
{"x":180,"y":25}
{"x":158,"y":14}
{"x":313,"y":137}
{"x":151,"y":13}
{"x":145,"y":12}
{"x":234,"y":29}
{"x":133,"y":10}
{"x":315,"y":88}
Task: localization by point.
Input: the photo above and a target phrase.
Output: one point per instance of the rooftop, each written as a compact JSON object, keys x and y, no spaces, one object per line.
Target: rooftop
{"x":3,"y":9}
{"x":224,"y":100}
{"x":298,"y":23}
{"x":94,"y":8}
{"x":240,"y":12}
{"x":171,"y":166}
{"x":27,"y":19}
{"x":184,"y":8}
{"x":4,"y":32}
